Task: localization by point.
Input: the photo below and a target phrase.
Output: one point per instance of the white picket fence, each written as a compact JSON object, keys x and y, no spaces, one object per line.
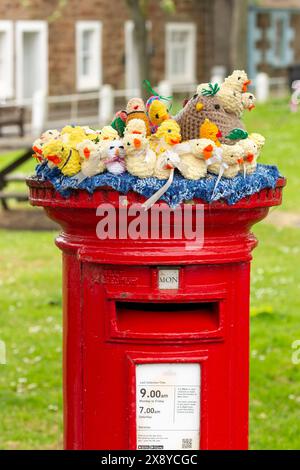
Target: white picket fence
{"x":103,"y":103}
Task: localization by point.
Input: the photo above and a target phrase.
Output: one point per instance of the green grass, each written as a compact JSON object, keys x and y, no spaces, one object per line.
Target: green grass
{"x":30,"y":325}
{"x":30,"y":317}
{"x":281,"y":129}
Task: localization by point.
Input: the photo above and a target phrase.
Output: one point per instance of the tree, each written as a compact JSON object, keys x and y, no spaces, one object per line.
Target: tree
{"x":139,"y":10}
{"x":238,"y":39}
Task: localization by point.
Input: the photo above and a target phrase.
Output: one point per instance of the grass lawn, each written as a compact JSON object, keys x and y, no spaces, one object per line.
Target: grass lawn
{"x":30,"y":317}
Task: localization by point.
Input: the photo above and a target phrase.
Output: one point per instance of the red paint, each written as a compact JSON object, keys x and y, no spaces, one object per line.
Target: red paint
{"x":115,"y":316}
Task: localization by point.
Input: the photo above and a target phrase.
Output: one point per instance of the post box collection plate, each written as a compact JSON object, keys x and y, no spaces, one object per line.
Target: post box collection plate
{"x":168,"y":406}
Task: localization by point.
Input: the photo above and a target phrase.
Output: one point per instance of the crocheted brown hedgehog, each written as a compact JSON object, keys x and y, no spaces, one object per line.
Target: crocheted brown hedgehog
{"x":198,"y":109}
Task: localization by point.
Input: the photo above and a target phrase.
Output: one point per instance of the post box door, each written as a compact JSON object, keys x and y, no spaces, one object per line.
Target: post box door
{"x":128,"y":324}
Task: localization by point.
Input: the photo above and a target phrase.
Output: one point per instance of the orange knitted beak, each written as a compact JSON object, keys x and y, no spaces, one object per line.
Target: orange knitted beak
{"x":245,"y":86}
{"x":207,"y":152}
{"x":117,"y":152}
{"x":54,"y":159}
{"x":175,"y":141}
{"x":219,"y":135}
{"x":250,"y":157}
{"x":251,"y":107}
{"x":86,"y":152}
{"x":137,"y":143}
{"x":199,"y":106}
{"x":37,"y":150}
{"x":169,"y":166}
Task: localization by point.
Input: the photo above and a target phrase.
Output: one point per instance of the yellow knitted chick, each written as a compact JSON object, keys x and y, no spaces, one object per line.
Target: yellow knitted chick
{"x":73,"y":135}
{"x":140,"y":159}
{"x":229,"y":162}
{"x":136,"y":126}
{"x":37,"y":145}
{"x":167,"y":135}
{"x":193,"y":155}
{"x":209,"y":130}
{"x":108,"y":133}
{"x":157,"y":113}
{"x":63,"y":156}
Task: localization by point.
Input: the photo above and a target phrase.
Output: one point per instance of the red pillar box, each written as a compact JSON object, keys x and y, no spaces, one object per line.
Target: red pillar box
{"x":156,"y":331}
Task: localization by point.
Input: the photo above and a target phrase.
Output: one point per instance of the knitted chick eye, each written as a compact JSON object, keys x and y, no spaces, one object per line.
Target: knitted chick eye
{"x":121,"y":147}
{"x":169,"y":130}
{"x":128,"y":143}
{"x":240,"y":78}
{"x":217,"y":106}
{"x":195,"y":96}
{"x":157,"y":116}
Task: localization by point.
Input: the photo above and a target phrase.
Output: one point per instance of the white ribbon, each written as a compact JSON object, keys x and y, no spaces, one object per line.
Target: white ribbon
{"x":156,"y":196}
{"x":216,"y":158}
{"x":223,"y":167}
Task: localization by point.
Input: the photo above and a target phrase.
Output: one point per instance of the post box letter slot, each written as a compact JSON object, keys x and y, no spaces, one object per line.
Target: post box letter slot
{"x":167,"y":318}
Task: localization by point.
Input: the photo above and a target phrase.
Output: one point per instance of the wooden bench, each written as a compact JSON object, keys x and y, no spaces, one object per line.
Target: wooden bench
{"x":12,"y":115}
{"x":5,"y":196}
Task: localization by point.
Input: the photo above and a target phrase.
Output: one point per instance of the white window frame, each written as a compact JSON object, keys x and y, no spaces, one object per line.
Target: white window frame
{"x":31,"y":26}
{"x":188,"y":76}
{"x":7,"y":89}
{"x":132,"y":79}
{"x":93,"y":82}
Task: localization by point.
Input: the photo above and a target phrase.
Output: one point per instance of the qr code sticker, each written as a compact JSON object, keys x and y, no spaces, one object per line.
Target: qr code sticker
{"x":187,"y":443}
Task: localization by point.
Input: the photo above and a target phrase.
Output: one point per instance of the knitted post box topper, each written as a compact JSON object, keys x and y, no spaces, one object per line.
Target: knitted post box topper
{"x":198,"y":109}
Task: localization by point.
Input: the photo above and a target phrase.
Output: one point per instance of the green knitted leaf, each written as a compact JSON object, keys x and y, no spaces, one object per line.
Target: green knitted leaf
{"x":237,"y":134}
{"x":119,"y":125}
{"x":212,"y":90}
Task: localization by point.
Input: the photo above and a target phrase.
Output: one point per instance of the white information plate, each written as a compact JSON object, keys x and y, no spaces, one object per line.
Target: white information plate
{"x":168,"y":279}
{"x":168,"y":406}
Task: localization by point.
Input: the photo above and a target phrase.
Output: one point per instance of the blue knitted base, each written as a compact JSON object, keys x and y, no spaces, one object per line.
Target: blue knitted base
{"x":231,"y":190}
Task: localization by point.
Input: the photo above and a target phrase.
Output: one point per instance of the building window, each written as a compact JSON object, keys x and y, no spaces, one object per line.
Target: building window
{"x":31,"y":58}
{"x":6,"y":60}
{"x":181,"y":52}
{"x":88,"y":55}
{"x":280,"y":35}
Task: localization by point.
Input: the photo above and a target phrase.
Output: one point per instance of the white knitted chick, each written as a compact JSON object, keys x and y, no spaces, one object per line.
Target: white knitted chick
{"x":229,"y":166}
{"x":91,"y":158}
{"x":166,"y":163}
{"x":252,"y":147}
{"x":193,"y":156}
